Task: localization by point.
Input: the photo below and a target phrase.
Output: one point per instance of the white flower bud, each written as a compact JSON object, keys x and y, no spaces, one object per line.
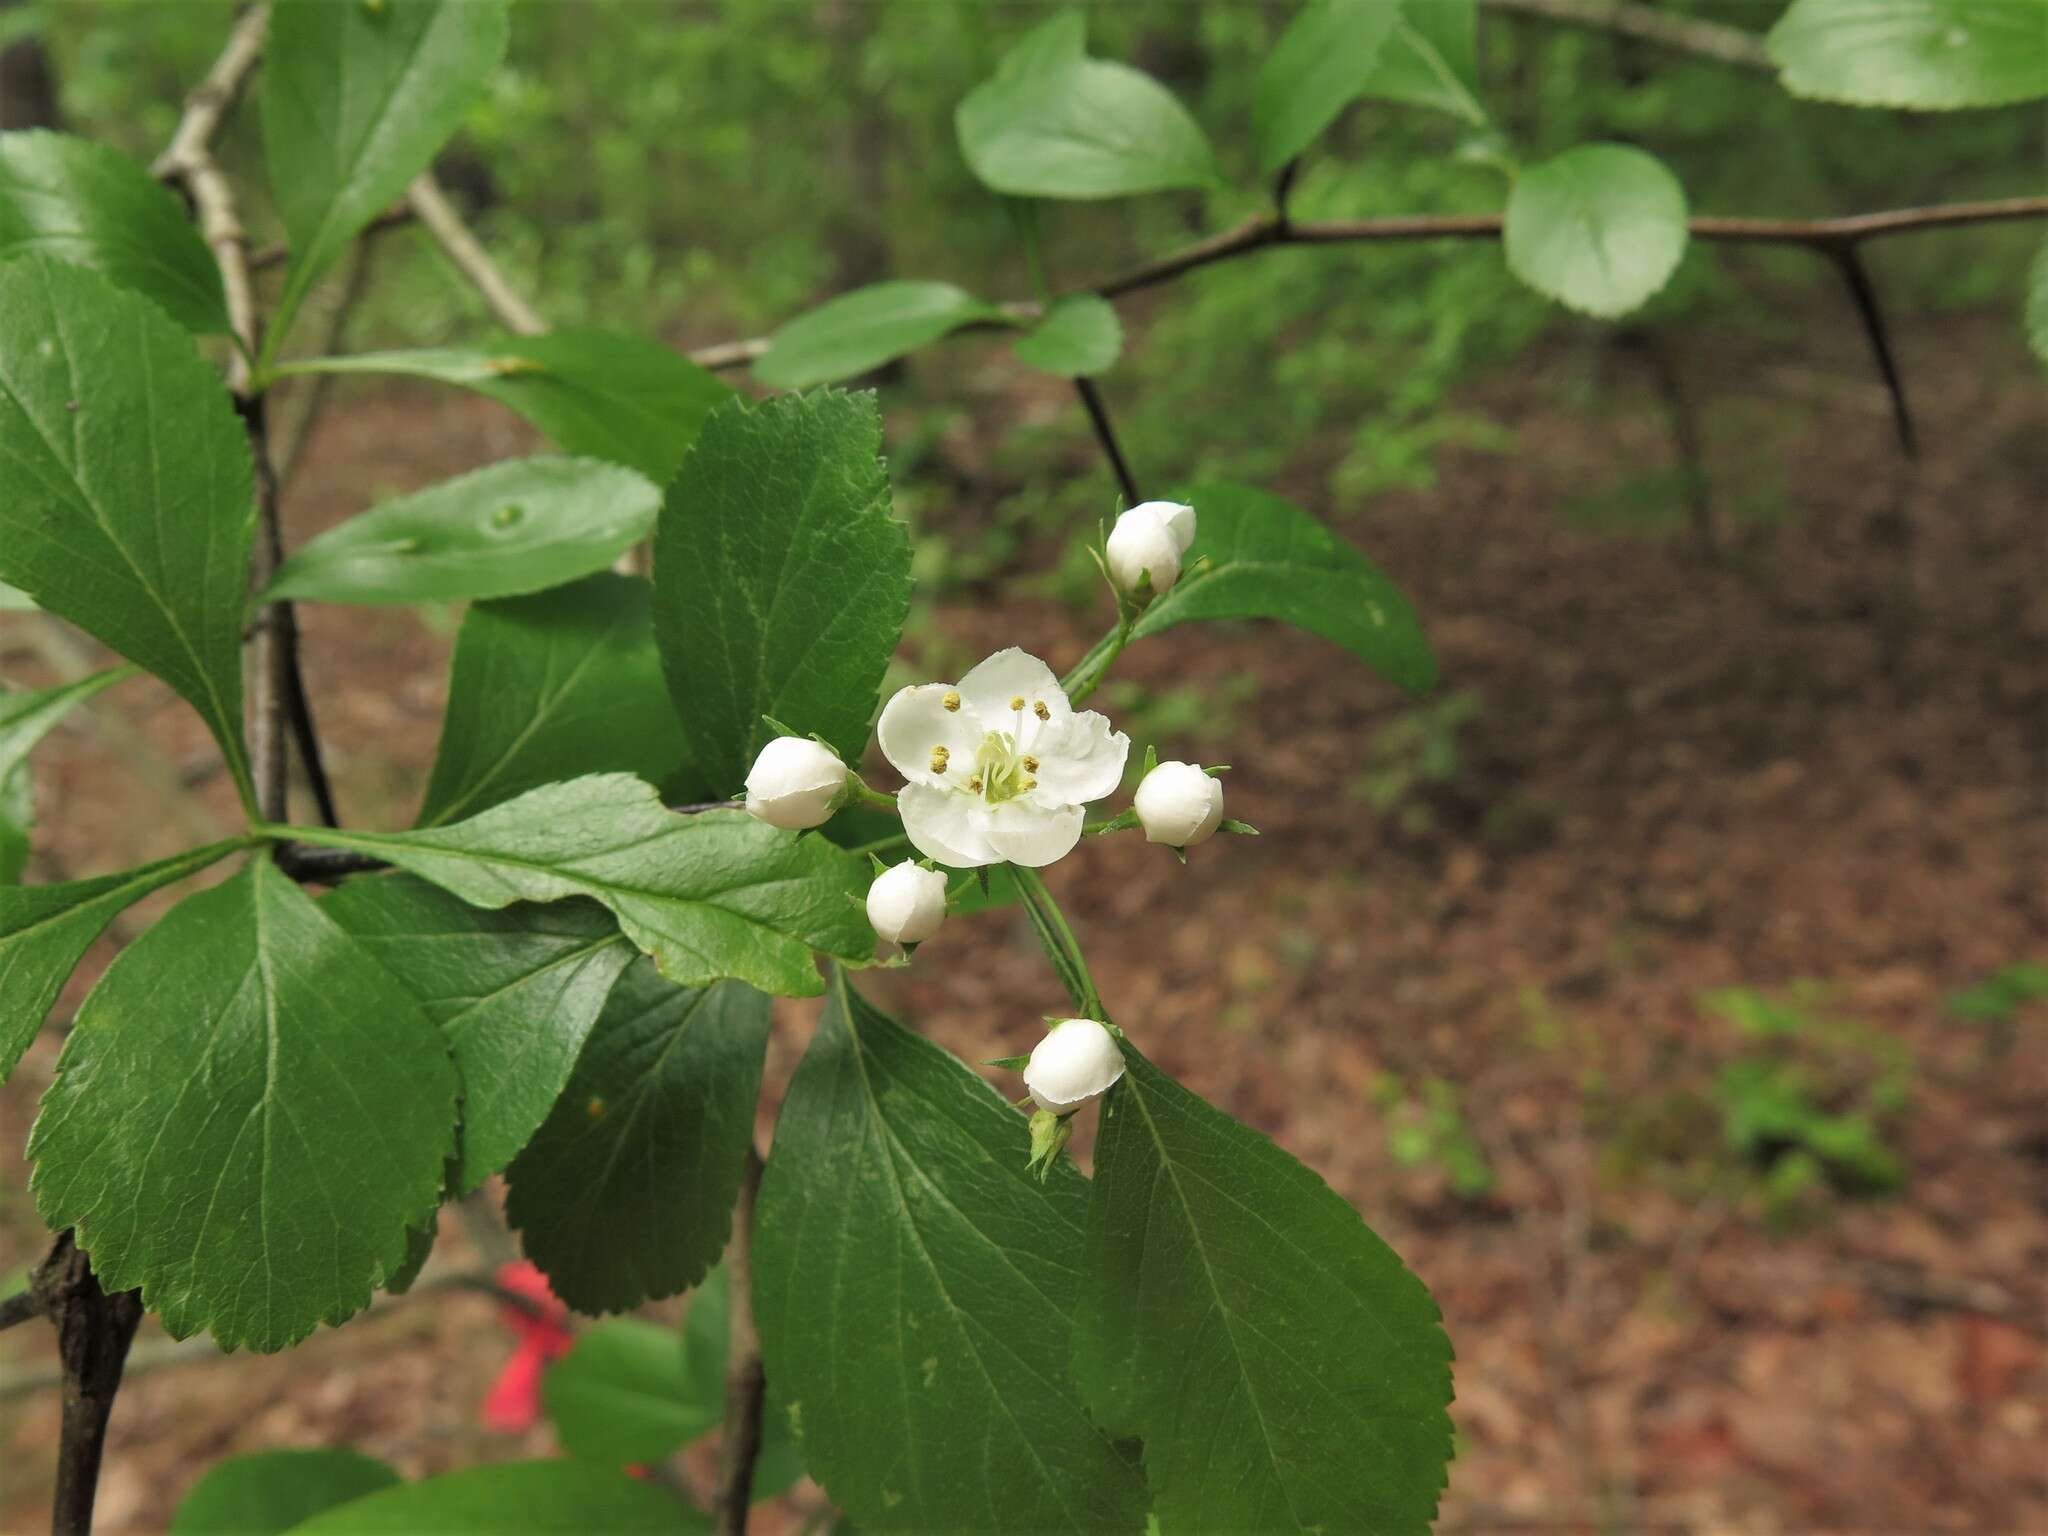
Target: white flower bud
{"x":1076,"y":1062}
{"x":907,"y":903}
{"x":795,"y":783}
{"x":1147,"y":543}
{"x":1179,"y":805}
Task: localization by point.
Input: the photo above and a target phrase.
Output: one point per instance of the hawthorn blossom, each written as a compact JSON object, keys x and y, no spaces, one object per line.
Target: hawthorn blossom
{"x":795,"y":783}
{"x":907,"y":903}
{"x":998,"y":765}
{"x":1179,"y":805}
{"x":1078,"y":1060}
{"x":1147,"y":544}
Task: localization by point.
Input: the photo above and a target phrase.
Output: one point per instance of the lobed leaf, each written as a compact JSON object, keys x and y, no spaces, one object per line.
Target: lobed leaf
{"x":92,"y":206}
{"x":266,"y":1184}
{"x":625,"y":1193}
{"x":914,"y":1289}
{"x":357,"y":98}
{"x":858,"y":332}
{"x":125,"y":484}
{"x":1283,"y":1368}
{"x":781,"y":580}
{"x":552,"y":687}
{"x":710,"y":896}
{"x":1599,"y":228}
{"x":519,"y":526}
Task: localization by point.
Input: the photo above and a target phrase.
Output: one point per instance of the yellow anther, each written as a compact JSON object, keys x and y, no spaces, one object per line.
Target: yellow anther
{"x":938,"y":759}
{"x":952,"y":701}
{"x":1041,"y":711}
{"x":942,"y":750}
{"x":1031,"y":765}
{"x":1027,"y":784}
{"x":974,"y":785}
{"x":1017,"y":701}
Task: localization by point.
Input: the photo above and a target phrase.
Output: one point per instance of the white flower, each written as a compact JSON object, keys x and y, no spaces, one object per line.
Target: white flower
{"x":1179,"y":805}
{"x":794,"y":783}
{"x":1076,"y":1062}
{"x":998,"y":765}
{"x":1149,"y":541}
{"x":907,"y":903}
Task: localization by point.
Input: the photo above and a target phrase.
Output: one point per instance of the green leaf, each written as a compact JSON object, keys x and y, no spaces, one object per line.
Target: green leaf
{"x":1431,"y":60}
{"x":1924,"y":55}
{"x":552,"y":687}
{"x":269,"y":1492}
{"x":706,"y":1341}
{"x":356,"y":100}
{"x":625,"y":1193}
{"x":534,"y":1498}
{"x":514,"y":992}
{"x":125,"y":501}
{"x":621,"y":1395}
{"x":1258,"y":557}
{"x":1600,"y":228}
{"x":1055,"y":123}
{"x":781,"y":579}
{"x":914,"y":1288}
{"x":1319,"y":67}
{"x":2037,"y":303}
{"x":859,"y":331}
{"x":519,"y":526}
{"x":1080,"y":335}
{"x":1283,"y":1368}
{"x":246,"y":1118}
{"x":25,"y":719}
{"x":710,"y":896}
{"x":92,"y":206}
{"x":598,"y":394}
{"x":46,"y":929}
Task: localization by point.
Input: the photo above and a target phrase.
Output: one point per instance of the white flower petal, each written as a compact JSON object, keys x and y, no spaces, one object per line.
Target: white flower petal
{"x":1033,"y":835}
{"x":946,"y":825}
{"x":916,"y":720}
{"x":1079,"y":760}
{"x":1007,"y":675}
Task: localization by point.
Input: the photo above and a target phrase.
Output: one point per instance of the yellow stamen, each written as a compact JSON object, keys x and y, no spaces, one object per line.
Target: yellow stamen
{"x":1027,"y":784}
{"x":1041,"y":711}
{"x":1017,"y":701}
{"x":938,"y":760}
{"x":1031,"y":765}
{"x":974,"y":785}
{"x":951,"y":701}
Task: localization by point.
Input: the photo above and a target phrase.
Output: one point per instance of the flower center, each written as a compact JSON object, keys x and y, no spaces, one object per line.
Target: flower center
{"x":1001,"y":771}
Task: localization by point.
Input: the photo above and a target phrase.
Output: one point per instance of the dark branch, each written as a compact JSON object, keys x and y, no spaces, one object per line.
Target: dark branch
{"x":1682,"y":34}
{"x":746,"y":1384}
{"x":94,"y":1331}
{"x":19,"y":1308}
{"x":299,"y":709}
{"x":1098,"y":417}
{"x":1857,"y":279}
{"x":323,"y":866}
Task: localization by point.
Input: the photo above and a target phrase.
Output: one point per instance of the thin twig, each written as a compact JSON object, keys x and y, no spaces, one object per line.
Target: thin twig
{"x":323,"y":866}
{"x":211,"y":98}
{"x":1682,"y":34}
{"x":1098,"y":418}
{"x":1856,"y":277}
{"x":746,"y":1384}
{"x":467,"y":252}
{"x":19,"y":1308}
{"x":94,"y":1331}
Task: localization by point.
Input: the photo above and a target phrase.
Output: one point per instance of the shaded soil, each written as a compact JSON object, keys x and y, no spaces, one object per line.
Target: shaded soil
{"x":1822,"y":755}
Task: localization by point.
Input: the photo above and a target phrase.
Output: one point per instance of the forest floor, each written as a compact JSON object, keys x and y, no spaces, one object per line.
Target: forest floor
{"x":1814,"y":766}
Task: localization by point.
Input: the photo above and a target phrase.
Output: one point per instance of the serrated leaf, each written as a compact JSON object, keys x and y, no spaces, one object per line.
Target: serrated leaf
{"x":1283,"y":1368}
{"x":548,"y":688}
{"x":25,"y":718}
{"x":515,"y":994}
{"x":92,"y":206}
{"x":534,"y":1498}
{"x":2037,"y":303}
{"x":125,"y":484}
{"x":1924,"y":55}
{"x":1258,"y":557}
{"x":267,"y":1493}
{"x":621,"y":1395}
{"x":46,"y":929}
{"x":1080,"y":335}
{"x":520,"y":526}
{"x":710,"y":896}
{"x":781,"y":579}
{"x":1599,"y":228}
{"x":914,"y":1288}
{"x":598,"y":394}
{"x":1317,"y":68}
{"x":625,"y":1193}
{"x":356,"y":100}
{"x":265,"y":1183}
{"x":857,"y":332}
{"x":1053,"y":122}
{"x":1431,"y":60}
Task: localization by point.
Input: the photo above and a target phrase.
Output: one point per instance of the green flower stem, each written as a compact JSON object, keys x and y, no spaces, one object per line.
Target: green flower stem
{"x":874,"y":797}
{"x":1057,"y":935}
{"x":1092,"y":668}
